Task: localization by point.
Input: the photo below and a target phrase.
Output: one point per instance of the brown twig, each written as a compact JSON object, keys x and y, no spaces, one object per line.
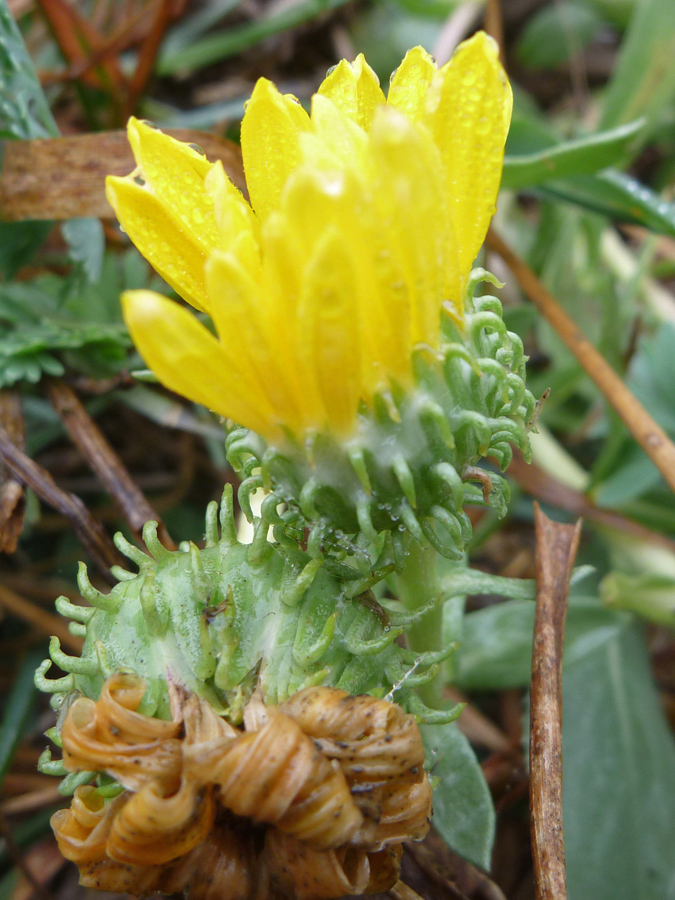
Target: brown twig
{"x":45,"y":621}
{"x":31,"y":801}
{"x":493,"y":23}
{"x":73,"y":33}
{"x":90,"y":532}
{"x":542,"y":486}
{"x":104,"y":461}
{"x":147,"y":55}
{"x":12,"y":499}
{"x":556,"y":547}
{"x":651,"y":437}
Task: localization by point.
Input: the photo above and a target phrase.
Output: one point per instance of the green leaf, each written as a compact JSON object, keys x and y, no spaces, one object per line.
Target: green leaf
{"x":24,"y":112}
{"x":463,"y":812}
{"x":557,"y":33}
{"x":579,"y":157}
{"x":17,"y":709}
{"x":635,"y":475}
{"x":652,"y":375}
{"x":224,"y":44}
{"x":194,"y":26}
{"x":86,"y":245}
{"x":27,"y":354}
{"x":19,"y":242}
{"x":644,"y":79}
{"x":618,"y":196}
{"x":495,"y":649}
{"x":650,"y":595}
{"x":619,"y":776}
{"x":384,"y":33}
{"x":433,"y":8}
{"x":37,"y":325}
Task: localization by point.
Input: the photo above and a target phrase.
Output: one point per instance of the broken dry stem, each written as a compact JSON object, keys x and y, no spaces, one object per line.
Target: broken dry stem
{"x":556,"y":547}
{"x":64,"y":177}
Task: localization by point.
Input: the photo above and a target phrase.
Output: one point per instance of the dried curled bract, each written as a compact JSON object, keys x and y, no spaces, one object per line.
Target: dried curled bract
{"x":227,"y":864}
{"x":374,"y":741}
{"x":306,"y":874}
{"x":380,"y":750}
{"x":158,"y":828}
{"x":311,"y":800}
{"x":110,"y":736}
{"x":278,"y":775}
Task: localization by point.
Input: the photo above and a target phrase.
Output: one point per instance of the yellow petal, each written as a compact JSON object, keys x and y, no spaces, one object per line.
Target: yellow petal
{"x":175,"y":173}
{"x":470,"y":118}
{"x":410,"y":82}
{"x":284,"y":262}
{"x":238,"y":319}
{"x":368,"y":90}
{"x":269,"y":142}
{"x":336,"y":141}
{"x":355,"y":89}
{"x":410,"y":195}
{"x":189,"y":360}
{"x":340,"y":201}
{"x":173,"y":253}
{"x":237,"y":224}
{"x":327,"y":315}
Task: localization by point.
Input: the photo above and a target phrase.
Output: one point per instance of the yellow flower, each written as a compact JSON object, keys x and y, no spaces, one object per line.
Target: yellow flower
{"x":364,"y":222}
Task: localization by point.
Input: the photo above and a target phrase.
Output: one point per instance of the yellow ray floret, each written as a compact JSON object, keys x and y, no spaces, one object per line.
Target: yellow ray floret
{"x":365,"y":218}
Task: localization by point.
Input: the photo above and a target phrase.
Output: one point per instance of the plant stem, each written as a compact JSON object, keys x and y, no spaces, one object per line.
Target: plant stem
{"x":418,"y":583}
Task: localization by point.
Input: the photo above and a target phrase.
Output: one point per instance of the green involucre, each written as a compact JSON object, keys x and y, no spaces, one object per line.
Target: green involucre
{"x":231,"y":618}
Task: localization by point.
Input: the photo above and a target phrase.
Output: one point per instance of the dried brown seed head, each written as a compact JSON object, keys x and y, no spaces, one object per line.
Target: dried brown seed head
{"x":311,"y":801}
{"x":278,"y":775}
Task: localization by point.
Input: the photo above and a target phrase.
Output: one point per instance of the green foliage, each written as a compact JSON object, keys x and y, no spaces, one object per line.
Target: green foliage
{"x":617,"y":196}
{"x":463,"y":812}
{"x":194,"y":606}
{"x":619,"y":775}
{"x":86,"y":246}
{"x":24,"y":112}
{"x":644,"y":82}
{"x":42,"y":329}
{"x":17,"y":710}
{"x":557,"y":33}
{"x":619,"y":778}
{"x":224,"y":44}
{"x":583,"y":156}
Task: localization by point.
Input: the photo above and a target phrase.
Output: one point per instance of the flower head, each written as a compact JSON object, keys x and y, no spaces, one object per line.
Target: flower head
{"x":365,"y":219}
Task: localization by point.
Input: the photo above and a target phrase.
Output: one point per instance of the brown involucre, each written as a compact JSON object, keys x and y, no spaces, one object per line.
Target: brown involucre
{"x":310,"y":800}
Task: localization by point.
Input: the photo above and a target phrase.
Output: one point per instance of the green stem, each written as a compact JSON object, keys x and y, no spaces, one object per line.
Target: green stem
{"x":418,"y":583}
